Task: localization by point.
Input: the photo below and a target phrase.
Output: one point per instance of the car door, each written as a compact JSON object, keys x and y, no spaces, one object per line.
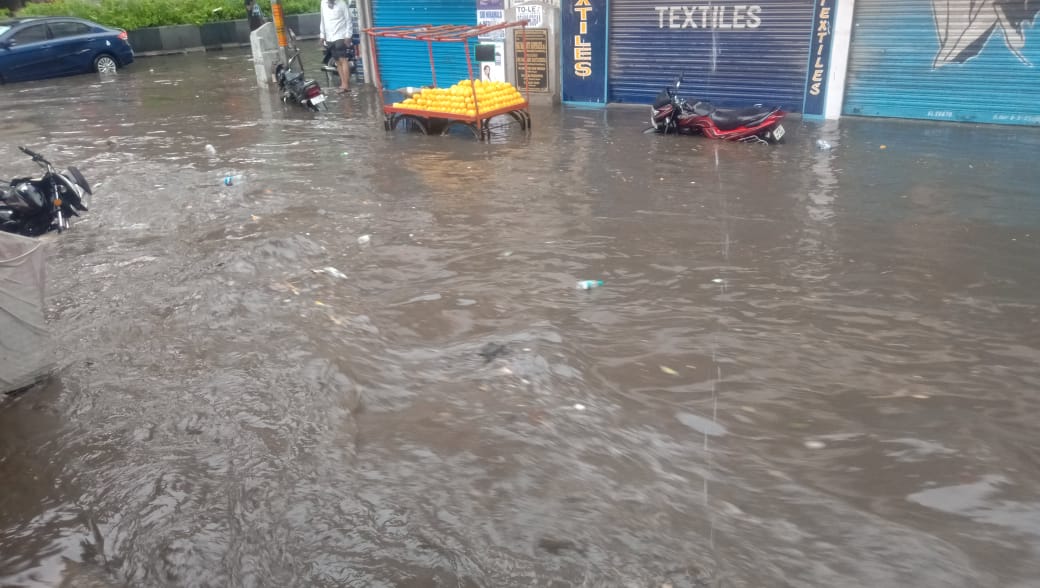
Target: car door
{"x":74,"y":46}
{"x":28,"y":54}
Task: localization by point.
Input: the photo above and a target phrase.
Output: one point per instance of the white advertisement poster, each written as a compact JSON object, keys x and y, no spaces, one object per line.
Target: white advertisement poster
{"x":492,"y":17}
{"x":494,"y":71}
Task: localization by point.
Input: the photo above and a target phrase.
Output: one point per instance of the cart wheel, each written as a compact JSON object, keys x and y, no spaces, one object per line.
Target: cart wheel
{"x":519,"y":116}
{"x":456,"y":128}
{"x":409,"y":123}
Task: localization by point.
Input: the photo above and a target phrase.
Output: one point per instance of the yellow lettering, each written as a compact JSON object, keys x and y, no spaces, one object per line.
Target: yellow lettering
{"x":583,"y":28}
{"x":583,"y":69}
{"x":817,"y":75}
{"x":579,"y":42}
{"x":819,"y":63}
{"x":584,"y":12}
{"x":583,"y":3}
{"x":825,"y":13}
{"x":583,"y":54}
{"x":814,"y":90}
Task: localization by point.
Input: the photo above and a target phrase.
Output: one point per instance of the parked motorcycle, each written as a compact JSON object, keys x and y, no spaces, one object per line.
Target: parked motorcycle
{"x":33,"y":206}
{"x":329,"y":66}
{"x":673,"y":114}
{"x":294,"y":86}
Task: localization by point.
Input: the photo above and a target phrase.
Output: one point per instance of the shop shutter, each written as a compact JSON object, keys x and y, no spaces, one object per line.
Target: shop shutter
{"x":407,"y":63}
{"x":732,"y":53}
{"x":962,"y":60}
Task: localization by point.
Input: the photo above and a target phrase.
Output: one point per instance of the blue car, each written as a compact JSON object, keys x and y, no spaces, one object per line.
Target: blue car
{"x":37,"y":48}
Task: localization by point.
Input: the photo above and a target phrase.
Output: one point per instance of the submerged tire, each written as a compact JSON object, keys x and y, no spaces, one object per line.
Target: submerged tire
{"x":105,"y":64}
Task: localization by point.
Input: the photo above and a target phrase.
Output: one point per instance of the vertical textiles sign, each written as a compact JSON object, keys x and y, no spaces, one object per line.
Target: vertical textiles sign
{"x":819,"y":58}
{"x":584,"y":59}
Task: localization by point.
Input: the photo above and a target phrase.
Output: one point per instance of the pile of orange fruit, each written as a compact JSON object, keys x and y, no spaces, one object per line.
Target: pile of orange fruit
{"x":458,"y":99}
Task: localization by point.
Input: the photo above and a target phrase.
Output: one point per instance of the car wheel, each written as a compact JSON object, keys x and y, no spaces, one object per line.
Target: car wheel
{"x":105,"y":63}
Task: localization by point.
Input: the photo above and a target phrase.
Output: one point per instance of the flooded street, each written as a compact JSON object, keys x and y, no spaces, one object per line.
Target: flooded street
{"x":806,"y":367}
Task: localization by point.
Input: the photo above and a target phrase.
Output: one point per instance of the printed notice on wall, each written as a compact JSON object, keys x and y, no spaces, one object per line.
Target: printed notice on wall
{"x":537,"y":74}
{"x":532,"y":13}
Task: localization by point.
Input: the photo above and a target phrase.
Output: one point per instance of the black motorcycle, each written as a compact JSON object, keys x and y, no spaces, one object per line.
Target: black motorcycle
{"x":328,"y":65}
{"x":294,"y":86}
{"x":34,"y":206}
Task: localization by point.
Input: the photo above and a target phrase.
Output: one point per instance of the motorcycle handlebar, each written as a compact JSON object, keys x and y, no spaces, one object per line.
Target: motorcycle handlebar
{"x":30,"y":153}
{"x":34,"y":155}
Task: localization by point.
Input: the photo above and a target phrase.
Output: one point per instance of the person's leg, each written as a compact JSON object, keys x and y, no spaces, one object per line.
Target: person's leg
{"x":343,"y":67}
{"x":339,"y":52}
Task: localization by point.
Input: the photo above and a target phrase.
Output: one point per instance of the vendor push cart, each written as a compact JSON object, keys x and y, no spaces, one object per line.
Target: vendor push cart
{"x":469,"y":104}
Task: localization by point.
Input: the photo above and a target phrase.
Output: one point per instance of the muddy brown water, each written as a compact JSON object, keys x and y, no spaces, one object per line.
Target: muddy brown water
{"x":806,"y":367}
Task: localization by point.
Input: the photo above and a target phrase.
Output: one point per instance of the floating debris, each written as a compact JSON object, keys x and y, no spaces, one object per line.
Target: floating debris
{"x":492,"y":350}
{"x":331,"y":271}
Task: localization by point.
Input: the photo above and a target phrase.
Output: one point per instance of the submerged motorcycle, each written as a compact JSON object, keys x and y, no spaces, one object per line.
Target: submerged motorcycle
{"x":673,"y":114}
{"x":328,"y":65}
{"x":34,"y":206}
{"x":294,"y":87}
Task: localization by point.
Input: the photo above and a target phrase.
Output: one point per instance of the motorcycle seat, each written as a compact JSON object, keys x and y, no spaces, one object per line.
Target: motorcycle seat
{"x":727,"y":119}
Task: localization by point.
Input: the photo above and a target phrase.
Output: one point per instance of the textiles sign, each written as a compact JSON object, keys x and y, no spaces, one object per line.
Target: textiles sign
{"x":819,"y":58}
{"x":584,"y":59}
{"x":710,"y":16}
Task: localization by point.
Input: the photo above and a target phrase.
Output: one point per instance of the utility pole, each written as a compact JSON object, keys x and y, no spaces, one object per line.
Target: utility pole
{"x":279,"y":27}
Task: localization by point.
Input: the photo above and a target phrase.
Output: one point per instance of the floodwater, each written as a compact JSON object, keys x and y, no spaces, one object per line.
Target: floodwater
{"x":806,"y":367}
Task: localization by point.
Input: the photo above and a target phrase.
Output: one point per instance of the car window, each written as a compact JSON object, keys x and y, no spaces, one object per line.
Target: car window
{"x":68,"y":29}
{"x":4,"y":29}
{"x":33,"y":34}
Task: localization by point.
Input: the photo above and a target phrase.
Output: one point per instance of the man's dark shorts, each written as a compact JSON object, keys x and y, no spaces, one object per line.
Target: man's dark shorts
{"x":342,"y":50}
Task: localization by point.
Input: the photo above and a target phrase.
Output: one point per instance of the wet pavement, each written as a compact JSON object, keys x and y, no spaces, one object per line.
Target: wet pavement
{"x":805,"y":368}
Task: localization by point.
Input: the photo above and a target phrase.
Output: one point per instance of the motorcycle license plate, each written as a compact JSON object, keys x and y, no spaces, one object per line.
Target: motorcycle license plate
{"x":317,"y":99}
{"x":778,"y":132}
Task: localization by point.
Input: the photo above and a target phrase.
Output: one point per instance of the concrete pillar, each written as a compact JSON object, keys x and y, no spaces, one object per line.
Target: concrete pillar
{"x":364,"y":9}
{"x":839,"y":58}
{"x":266,"y":53}
{"x":550,"y":21}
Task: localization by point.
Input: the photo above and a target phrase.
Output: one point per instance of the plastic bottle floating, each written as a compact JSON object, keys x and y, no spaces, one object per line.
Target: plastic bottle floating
{"x":589,"y":284}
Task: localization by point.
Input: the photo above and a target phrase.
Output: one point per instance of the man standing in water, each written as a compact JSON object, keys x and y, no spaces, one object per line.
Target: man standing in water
{"x":335,"y":31}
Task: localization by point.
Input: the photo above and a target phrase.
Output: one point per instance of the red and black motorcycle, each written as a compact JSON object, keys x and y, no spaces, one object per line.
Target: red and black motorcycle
{"x":757,"y":124}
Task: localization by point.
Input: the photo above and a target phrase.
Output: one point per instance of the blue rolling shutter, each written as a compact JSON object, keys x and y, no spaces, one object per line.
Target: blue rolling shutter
{"x":407,"y":63}
{"x":732,"y":53}
{"x":945,"y":60}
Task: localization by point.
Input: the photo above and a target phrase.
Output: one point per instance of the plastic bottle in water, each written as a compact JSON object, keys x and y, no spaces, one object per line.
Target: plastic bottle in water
{"x":232,"y":179}
{"x":824,"y":145}
{"x":589,"y":284}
